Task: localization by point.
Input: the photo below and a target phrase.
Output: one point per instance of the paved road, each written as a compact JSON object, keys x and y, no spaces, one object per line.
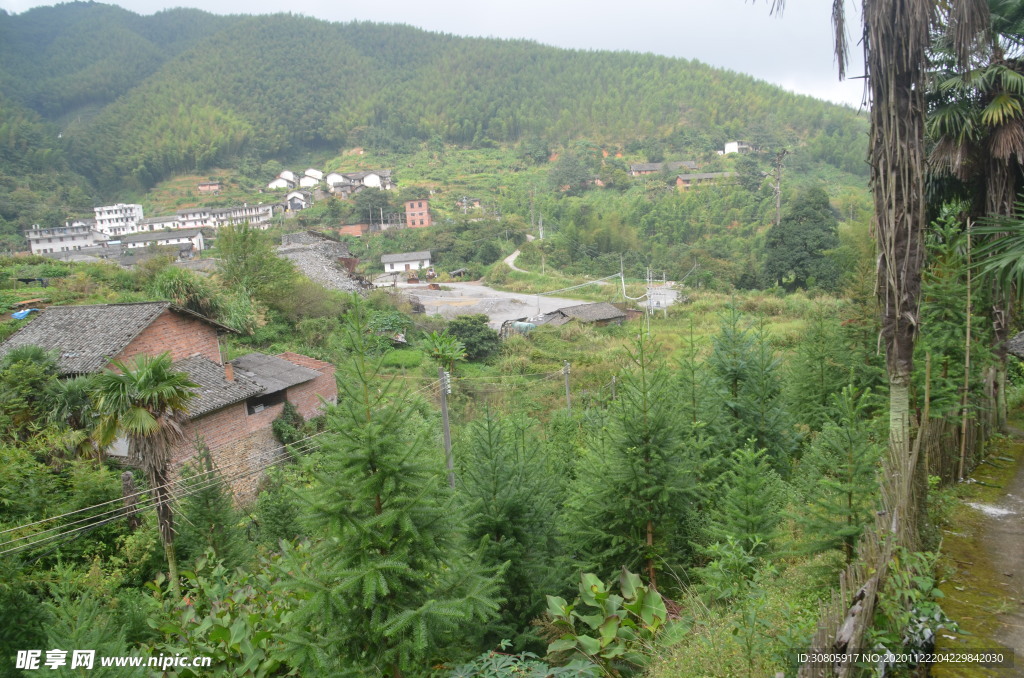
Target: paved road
{"x":510,"y":260}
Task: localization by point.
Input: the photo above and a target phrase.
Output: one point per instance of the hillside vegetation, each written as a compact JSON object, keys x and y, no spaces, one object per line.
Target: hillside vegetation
{"x":99,"y":104}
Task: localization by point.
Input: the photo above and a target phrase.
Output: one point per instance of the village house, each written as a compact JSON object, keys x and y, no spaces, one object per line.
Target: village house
{"x":120,"y":219}
{"x":640,"y":169}
{"x":209,"y":187}
{"x":280,"y":183}
{"x":236,"y":402}
{"x":686,"y":181}
{"x":297,"y":200}
{"x":68,"y":238}
{"x":346,"y":184}
{"x":417,"y":213}
{"x":741,"y":147}
{"x":257,"y":216}
{"x":600,"y":313}
{"x":405,"y":261}
{"x":187,"y":240}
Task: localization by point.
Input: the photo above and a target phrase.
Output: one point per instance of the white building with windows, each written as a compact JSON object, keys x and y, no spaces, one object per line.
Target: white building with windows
{"x":67,"y":238}
{"x":119,"y":219}
{"x":405,"y":261}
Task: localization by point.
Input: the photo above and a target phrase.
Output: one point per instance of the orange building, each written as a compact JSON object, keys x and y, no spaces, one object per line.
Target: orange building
{"x":417,"y":213}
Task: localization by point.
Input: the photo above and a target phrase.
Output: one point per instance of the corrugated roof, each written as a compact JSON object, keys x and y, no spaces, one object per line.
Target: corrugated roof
{"x":271,"y":372}
{"x":214,"y":390}
{"x":404,"y":256}
{"x":85,"y":338}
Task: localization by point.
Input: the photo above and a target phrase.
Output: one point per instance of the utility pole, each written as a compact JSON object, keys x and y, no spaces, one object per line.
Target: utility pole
{"x":568,"y":399}
{"x":446,"y":389}
{"x":779,"y":157}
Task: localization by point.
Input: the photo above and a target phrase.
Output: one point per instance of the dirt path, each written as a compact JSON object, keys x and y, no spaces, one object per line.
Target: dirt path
{"x":510,"y":260}
{"x":983,"y":558}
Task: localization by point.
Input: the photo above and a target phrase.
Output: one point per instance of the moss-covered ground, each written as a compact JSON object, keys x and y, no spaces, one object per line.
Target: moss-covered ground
{"x":983,"y":591}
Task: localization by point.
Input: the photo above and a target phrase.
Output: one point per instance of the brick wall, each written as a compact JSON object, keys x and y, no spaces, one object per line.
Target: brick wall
{"x":180,"y":334}
{"x":308,"y":397}
{"x":240,"y":460}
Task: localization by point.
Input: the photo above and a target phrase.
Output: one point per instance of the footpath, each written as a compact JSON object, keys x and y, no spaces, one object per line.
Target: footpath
{"x":982,"y":564}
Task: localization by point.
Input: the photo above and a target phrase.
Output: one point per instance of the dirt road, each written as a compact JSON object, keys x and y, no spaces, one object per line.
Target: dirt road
{"x":471,"y":298}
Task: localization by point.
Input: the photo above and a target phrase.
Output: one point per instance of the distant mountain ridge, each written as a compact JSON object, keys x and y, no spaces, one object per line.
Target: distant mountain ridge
{"x":138,"y":98}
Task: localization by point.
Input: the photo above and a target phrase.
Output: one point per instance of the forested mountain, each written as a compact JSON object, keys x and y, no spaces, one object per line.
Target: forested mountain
{"x":139,"y":98}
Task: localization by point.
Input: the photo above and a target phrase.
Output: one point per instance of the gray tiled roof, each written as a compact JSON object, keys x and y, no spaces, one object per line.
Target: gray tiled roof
{"x":214,"y":391}
{"x":161,"y":235}
{"x":592,"y":312}
{"x":404,"y":256}
{"x":85,"y":338}
{"x":271,"y":372}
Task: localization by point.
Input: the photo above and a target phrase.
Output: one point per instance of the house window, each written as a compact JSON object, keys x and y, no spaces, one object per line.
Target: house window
{"x":262,"y":402}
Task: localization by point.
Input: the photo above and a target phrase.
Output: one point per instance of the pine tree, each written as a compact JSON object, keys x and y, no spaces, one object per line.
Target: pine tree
{"x":749,"y":373}
{"x":512,"y":504}
{"x":817,"y":366}
{"x":839,"y":478}
{"x":209,"y":520}
{"x":751,"y":498}
{"x":390,"y":580}
{"x":631,"y":503}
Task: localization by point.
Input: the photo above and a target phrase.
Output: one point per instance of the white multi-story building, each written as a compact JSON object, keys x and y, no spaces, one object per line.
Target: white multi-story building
{"x":67,"y":238}
{"x":258,"y":216}
{"x":117,"y":220}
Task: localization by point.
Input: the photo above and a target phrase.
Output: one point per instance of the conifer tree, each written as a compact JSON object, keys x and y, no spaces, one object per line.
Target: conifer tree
{"x":816,"y":367}
{"x":511,"y":503}
{"x":209,"y":519}
{"x":389,"y":579}
{"x":751,"y":498}
{"x":749,"y":372}
{"x":630,"y":505}
{"x":839,"y":478}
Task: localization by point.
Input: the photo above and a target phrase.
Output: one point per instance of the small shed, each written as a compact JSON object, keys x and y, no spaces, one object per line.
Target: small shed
{"x":600,"y":313}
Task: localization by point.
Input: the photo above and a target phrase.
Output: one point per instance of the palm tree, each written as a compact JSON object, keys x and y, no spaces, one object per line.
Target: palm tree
{"x":897,"y":37}
{"x":147,"y":404}
{"x":976,"y":123}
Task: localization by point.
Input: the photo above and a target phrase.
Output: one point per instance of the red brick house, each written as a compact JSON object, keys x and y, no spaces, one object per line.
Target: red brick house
{"x":235,"y":402}
{"x":417,"y":213}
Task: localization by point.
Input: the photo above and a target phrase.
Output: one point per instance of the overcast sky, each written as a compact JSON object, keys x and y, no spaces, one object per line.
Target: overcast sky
{"x":794,"y":50}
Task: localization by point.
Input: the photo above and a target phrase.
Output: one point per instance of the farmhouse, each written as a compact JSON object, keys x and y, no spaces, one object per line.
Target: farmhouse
{"x":235,"y":402}
{"x":405,"y":261}
{"x":417,"y":213}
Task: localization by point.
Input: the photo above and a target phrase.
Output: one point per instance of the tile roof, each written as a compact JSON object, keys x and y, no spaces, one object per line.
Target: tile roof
{"x":599,"y":311}
{"x":404,"y":256}
{"x":272,"y":372}
{"x":162,"y":235}
{"x":214,"y":390}
{"x":85,"y":338}
{"x":585,"y":312}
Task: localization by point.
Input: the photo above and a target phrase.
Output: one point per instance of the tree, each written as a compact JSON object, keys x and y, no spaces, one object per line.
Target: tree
{"x":749,"y":503}
{"x":247,"y":261}
{"x":976,"y":124}
{"x":896,"y":62}
{"x":444,"y":348}
{"x":372,"y":204}
{"x":796,"y":250}
{"x":839,"y":478}
{"x":147,"y":403}
{"x":512,"y":504}
{"x":480,"y":341}
{"x":390,"y":581}
{"x":631,"y":503}
{"x":210,"y":520}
